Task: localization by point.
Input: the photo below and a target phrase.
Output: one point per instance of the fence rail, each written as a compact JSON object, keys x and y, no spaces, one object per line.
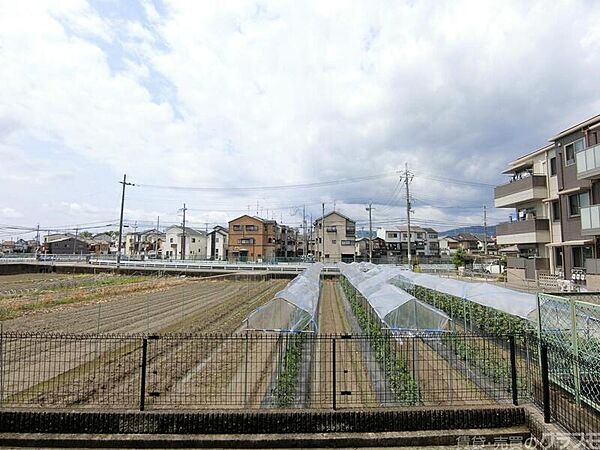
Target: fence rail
{"x":255,"y":371}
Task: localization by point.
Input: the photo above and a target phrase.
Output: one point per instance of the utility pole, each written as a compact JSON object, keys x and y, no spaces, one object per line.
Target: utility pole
{"x":323,"y":233}
{"x":305,"y":250}
{"x":183,"y":234}
{"x":158,"y":224}
{"x":75,"y":240}
{"x":485,"y":251}
{"x":37,"y":238}
{"x":124,"y":183}
{"x":370,"y":208}
{"x":407,"y":179}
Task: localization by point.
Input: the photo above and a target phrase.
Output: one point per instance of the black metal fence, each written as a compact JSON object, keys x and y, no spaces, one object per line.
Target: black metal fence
{"x":259,"y":371}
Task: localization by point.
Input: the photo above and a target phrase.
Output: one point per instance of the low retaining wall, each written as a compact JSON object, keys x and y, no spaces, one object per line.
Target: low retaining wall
{"x":259,"y":422}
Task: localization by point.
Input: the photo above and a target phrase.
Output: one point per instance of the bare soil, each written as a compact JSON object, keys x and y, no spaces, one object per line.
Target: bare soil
{"x":353,"y":387}
{"x":74,"y":371}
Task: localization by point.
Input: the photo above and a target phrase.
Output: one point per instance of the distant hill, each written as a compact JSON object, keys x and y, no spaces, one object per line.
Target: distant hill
{"x":491,"y":230}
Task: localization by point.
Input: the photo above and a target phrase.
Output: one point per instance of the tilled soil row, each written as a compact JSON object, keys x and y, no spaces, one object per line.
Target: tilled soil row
{"x":352,"y":378}
{"x":216,"y":307}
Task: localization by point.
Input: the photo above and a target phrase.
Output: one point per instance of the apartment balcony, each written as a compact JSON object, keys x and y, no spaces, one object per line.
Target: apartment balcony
{"x":532,"y":231}
{"x":590,"y":220}
{"x":520,"y":191}
{"x":588,"y":163}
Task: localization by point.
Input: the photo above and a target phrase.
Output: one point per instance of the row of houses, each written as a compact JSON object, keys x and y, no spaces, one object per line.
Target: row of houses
{"x":252,"y":238}
{"x":554,"y":192}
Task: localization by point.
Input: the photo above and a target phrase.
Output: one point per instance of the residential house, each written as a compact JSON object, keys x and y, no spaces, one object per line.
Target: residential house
{"x":147,"y":243}
{"x":252,"y":238}
{"x":361,"y":248}
{"x":287,"y":242}
{"x":65,"y":244}
{"x":102,"y":244}
{"x":448,"y":245}
{"x":187,"y":243}
{"x":21,"y":246}
{"x":8,"y":246}
{"x":217,"y":243}
{"x":424,"y":241}
{"x":335,"y":236}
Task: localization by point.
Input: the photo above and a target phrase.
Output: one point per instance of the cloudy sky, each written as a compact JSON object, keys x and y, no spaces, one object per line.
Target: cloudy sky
{"x":229,"y":95}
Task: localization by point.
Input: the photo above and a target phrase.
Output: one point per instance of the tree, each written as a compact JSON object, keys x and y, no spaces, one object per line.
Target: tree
{"x":85,"y":235}
{"x":459,"y":258}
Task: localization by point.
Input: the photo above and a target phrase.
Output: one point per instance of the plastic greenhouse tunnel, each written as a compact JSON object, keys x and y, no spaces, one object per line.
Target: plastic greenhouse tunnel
{"x":511,"y":302}
{"x":294,"y":308}
{"x":397,"y":309}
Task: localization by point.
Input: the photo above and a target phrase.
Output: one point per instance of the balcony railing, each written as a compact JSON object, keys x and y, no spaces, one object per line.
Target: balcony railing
{"x":590,"y":220}
{"x":532,"y":187}
{"x":588,"y":163}
{"x":530,"y":231}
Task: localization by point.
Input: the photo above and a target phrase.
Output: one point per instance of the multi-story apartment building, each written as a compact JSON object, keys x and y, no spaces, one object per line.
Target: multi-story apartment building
{"x":335,"y":235}
{"x":194,"y":245}
{"x":578,"y":178}
{"x":555,"y":193}
{"x":252,"y":239}
{"x":216,"y":244}
{"x":424,"y":241}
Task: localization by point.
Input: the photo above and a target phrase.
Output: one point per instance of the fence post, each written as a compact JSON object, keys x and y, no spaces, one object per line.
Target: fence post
{"x":575,"y":346}
{"x":143,"y":377}
{"x":333,"y":374}
{"x":513,"y":370}
{"x":545,"y":381}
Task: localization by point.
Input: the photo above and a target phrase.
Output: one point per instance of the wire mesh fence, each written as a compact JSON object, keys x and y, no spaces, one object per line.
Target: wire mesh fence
{"x":263,"y":370}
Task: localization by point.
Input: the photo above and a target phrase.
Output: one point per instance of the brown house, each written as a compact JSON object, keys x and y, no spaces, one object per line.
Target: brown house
{"x":252,"y":239}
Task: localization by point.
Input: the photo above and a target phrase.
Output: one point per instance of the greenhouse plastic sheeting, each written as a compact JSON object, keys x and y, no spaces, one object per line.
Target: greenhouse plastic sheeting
{"x":293,"y":308}
{"x":396,"y":308}
{"x":401,"y":311}
{"x":502,"y":299}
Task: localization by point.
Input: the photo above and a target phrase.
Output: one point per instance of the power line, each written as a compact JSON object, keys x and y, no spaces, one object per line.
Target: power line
{"x":268,"y":188}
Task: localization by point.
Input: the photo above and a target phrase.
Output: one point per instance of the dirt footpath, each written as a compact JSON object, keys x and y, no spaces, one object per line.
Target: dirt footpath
{"x":353,"y":387}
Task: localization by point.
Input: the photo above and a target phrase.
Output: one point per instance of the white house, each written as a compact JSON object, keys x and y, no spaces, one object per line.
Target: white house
{"x":195,"y":243}
{"x":216,"y":244}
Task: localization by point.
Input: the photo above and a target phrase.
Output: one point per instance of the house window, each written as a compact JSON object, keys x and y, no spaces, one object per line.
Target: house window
{"x":593,"y":138}
{"x":571,"y":150}
{"x":251,"y":228}
{"x":193,"y":240}
{"x":556,"y":211}
{"x":347,"y":242}
{"x":171,"y":240}
{"x":246,"y":241}
{"x":578,"y":201}
{"x":216,"y":239}
{"x":553,"y":166}
{"x":237,"y":228}
{"x":333,"y":241}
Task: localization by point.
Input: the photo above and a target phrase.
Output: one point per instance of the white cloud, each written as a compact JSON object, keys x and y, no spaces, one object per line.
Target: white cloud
{"x":237,"y":93}
{"x":10,"y":213}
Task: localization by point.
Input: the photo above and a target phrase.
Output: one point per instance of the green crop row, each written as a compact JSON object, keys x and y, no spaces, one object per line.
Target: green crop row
{"x":396,"y":370}
{"x":285,"y":388}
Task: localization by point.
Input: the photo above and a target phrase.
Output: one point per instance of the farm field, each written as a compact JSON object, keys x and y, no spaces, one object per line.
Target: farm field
{"x":26,"y":294}
{"x":196,"y":352}
{"x":351,"y":374}
{"x":104,"y":371}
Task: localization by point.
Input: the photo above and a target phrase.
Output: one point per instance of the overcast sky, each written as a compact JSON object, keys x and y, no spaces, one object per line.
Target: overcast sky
{"x":244,"y":94}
